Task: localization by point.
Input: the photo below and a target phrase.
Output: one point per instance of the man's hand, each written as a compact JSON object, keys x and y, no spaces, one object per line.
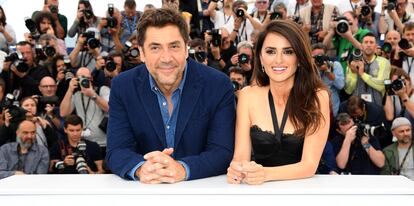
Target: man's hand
{"x":321,"y":35}
{"x":73,"y":84}
{"x":234,"y":59}
{"x":89,"y":92}
{"x":165,"y":168}
{"x":254,"y":173}
{"x":16,"y":72}
{"x":350,"y":134}
{"x":19,"y":173}
{"x":69,"y":160}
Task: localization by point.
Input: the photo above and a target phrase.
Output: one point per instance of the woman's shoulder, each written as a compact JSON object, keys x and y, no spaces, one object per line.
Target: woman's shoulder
{"x":322,"y":94}
{"x":252,"y":90}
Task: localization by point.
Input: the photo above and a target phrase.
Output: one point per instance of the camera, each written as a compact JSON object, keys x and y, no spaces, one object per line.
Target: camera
{"x":44,"y":52}
{"x":391,"y":86}
{"x":83,"y":82}
{"x":404,"y":44}
{"x":17,"y":114}
{"x":366,"y":9}
{"x":129,"y":51}
{"x":296,"y":19}
{"x":386,"y":47}
{"x":112,"y":22}
{"x":91,"y":41}
{"x":52,"y":100}
{"x":31,"y":26}
{"x":276,"y":15}
{"x":363,"y":129}
{"x":343,"y":25}
{"x":87,"y":13}
{"x":49,"y":50}
{"x":244,"y":58}
{"x":320,"y":60}
{"x":215,"y":37}
{"x":110,"y":65}
{"x":53,"y":9}
{"x":391,"y":5}
{"x":68,"y":68}
{"x":356,"y":55}
{"x":18,"y":61}
{"x":236,"y":85}
{"x":60,"y":165}
{"x":79,"y":156}
{"x":199,"y":56}
{"x":239,"y":13}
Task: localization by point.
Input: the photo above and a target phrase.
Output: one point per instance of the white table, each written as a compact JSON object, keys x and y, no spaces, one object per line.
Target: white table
{"x":107,"y":189}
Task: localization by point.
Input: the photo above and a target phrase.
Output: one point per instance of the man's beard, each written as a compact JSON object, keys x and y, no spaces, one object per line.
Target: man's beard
{"x":24,"y":145}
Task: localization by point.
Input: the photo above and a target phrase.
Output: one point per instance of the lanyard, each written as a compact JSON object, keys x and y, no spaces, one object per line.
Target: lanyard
{"x":131,"y":27}
{"x":409,"y":64}
{"x":243,"y":31}
{"x":85,"y":109}
{"x":405,"y":157}
{"x":297,"y":13}
{"x":353,"y":8}
{"x":226,"y":20}
{"x":85,"y":62}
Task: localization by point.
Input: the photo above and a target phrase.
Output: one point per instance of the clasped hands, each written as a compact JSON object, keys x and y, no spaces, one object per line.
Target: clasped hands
{"x":160,"y":167}
{"x":246,"y":172}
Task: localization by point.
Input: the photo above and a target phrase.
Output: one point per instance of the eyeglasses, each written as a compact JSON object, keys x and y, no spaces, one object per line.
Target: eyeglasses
{"x":261,"y":2}
{"x":48,"y":86}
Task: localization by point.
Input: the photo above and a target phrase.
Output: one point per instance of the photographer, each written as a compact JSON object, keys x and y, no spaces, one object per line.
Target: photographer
{"x":331,"y":74}
{"x":198,"y":52}
{"x":261,"y":10}
{"x":73,"y":154}
{"x":130,"y":18}
{"x":408,"y":50}
{"x":90,"y":105}
{"x":45,"y":134}
{"x":48,"y":102}
{"x":345,"y":41}
{"x":86,"y":50}
{"x":60,"y":21}
{"x":356,"y":152}
{"x":108,"y":66}
{"x":390,"y":48}
{"x":85,"y":18}
{"x":316,"y":19}
{"x":110,"y":28}
{"x":47,"y":49}
{"x":365,"y":73}
{"x":368,"y":18}
{"x":399,"y":158}
{"x":395,"y":17}
{"x":23,"y":75}
{"x":132,"y":57}
{"x":244,"y":24}
{"x":7,"y":34}
{"x":221,"y":48}
{"x":399,"y":100}
{"x":221,"y":13}
{"x":243,"y":59}
{"x":238,"y":79}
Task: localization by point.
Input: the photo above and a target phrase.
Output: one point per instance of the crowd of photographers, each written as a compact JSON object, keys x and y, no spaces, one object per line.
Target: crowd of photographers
{"x":58,"y":98}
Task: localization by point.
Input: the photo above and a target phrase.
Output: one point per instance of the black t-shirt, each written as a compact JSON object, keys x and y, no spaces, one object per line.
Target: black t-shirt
{"x":93,"y":153}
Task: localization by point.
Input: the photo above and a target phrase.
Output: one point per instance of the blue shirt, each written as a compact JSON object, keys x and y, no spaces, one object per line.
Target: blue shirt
{"x":170,"y":121}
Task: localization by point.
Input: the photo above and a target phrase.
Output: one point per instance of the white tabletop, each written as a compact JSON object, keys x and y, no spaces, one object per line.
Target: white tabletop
{"x":112,"y":184}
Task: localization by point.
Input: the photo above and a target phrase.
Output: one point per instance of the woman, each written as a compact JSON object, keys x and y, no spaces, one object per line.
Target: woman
{"x":289,"y":91}
{"x":85,"y":18}
{"x":7,"y":34}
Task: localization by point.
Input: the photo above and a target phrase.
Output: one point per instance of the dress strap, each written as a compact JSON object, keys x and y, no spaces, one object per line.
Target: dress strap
{"x":278,"y":131}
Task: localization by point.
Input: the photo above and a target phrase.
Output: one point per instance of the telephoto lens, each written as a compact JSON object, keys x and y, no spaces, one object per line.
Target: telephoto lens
{"x":239,"y":13}
{"x":404,"y":44}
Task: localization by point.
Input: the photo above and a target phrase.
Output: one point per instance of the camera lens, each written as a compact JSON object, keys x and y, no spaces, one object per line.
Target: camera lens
{"x":404,"y":44}
{"x":239,"y":13}
{"x":386,"y":47}
{"x":243,"y":58}
{"x":342,"y":26}
{"x":365,"y":10}
{"x":110,"y":65}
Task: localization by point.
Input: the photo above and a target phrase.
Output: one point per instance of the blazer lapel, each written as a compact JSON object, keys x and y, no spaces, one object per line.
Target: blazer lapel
{"x":189,"y":98}
{"x":150,"y":103}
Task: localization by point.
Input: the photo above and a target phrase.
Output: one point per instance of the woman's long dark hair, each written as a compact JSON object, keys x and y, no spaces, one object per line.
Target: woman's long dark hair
{"x":304,"y":106}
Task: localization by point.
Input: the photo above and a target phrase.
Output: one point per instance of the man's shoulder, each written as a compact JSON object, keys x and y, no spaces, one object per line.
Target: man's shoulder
{"x":8,"y":146}
{"x":208,"y":74}
{"x":390,"y":148}
{"x":129,"y":75}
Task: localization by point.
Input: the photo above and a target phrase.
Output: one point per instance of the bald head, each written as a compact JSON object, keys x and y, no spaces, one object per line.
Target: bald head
{"x":393,"y":37}
{"x":83,"y":71}
{"x":47,"y":86}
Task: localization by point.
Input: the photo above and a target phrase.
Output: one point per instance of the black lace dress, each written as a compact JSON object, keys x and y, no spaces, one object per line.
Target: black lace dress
{"x":275,"y":149}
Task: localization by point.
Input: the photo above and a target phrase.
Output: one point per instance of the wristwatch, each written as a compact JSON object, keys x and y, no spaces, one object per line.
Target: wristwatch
{"x":94,"y":97}
{"x":366,"y":146}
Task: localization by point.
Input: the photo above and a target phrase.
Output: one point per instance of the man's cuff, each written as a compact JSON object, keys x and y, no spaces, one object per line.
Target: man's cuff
{"x":131,"y":173}
{"x":186,"y":168}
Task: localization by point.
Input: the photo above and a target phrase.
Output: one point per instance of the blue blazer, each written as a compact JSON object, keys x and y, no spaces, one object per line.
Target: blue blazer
{"x":204,"y":137}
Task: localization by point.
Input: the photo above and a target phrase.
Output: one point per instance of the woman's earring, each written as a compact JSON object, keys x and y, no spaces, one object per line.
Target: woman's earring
{"x":263,"y":69}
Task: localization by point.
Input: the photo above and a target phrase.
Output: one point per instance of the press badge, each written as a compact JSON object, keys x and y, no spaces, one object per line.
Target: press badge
{"x":86,"y":132}
{"x":366,"y":97}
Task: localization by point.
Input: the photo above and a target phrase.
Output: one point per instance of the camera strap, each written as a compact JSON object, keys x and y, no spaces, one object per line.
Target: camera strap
{"x":85,"y":109}
{"x":131,"y":27}
{"x":405,"y":158}
{"x":226,"y":20}
{"x":297,"y":13}
{"x":352,"y":6}
{"x":409,"y":64}
{"x":278,"y":131}
{"x":242,"y":31}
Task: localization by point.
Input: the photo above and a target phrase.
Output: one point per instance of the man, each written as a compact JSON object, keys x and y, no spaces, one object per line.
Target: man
{"x":243,"y":25}
{"x":221,"y":54}
{"x":130,"y":18}
{"x":243,"y":59}
{"x":261,"y":10}
{"x":23,"y":156}
{"x":48,"y":102}
{"x":365,"y":77}
{"x":399,"y":157}
{"x":90,"y":104}
{"x":344,"y":43}
{"x":407,"y":60}
{"x":316,"y":19}
{"x":170,"y":119}
{"x":356,"y":152}
{"x":395,"y":18}
{"x":351,"y":5}
{"x":25,"y":82}
{"x":85,"y":53}
{"x":60,"y":20}
{"x":294,"y":7}
{"x":67,"y":154}
{"x":331,"y":74}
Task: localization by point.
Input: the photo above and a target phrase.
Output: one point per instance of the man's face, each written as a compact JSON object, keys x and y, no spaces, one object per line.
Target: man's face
{"x":393,"y":37}
{"x":164,"y":55}
{"x":357,"y":114}
{"x":369,"y":45}
{"x":27,"y":133}
{"x":353,"y":22}
{"x":401,"y":5}
{"x":237,"y":78}
{"x":60,"y":65}
{"x":403,"y":134}
{"x":345,"y":126}
{"x":53,"y":2}
{"x":44,"y":25}
{"x":225,"y":39}
{"x":247,"y":51}
{"x":317,"y":3}
{"x":262,"y":5}
{"x":30,"y":106}
{"x":47,"y":87}
{"x":130,"y":12}
{"x":27,"y":53}
{"x":74,"y":132}
{"x":409,"y":35}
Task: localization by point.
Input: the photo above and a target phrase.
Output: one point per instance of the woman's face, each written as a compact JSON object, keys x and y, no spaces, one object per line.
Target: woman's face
{"x":30,"y":106}
{"x":278,"y":58}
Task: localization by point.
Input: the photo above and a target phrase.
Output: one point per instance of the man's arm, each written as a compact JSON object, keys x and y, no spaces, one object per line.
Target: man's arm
{"x":66,"y":106}
{"x":4,"y":172}
{"x":377,"y":82}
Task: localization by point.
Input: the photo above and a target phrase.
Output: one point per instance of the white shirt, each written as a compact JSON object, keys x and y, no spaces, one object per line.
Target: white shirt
{"x":347,"y":5}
